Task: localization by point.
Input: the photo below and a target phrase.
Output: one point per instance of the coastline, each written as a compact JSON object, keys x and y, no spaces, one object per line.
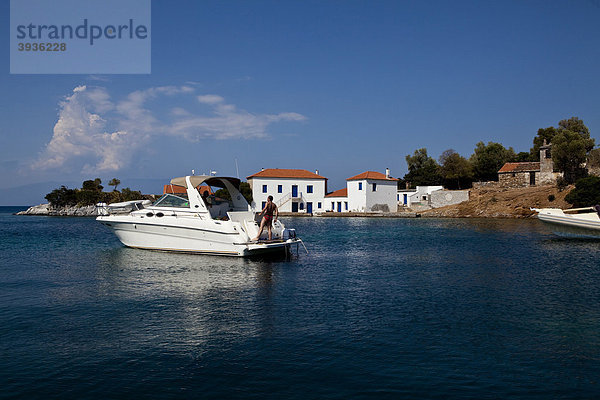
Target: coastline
{"x":46,"y":210}
{"x":487,"y":202}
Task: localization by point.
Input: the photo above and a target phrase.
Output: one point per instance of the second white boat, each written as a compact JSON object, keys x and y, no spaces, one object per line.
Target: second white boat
{"x":579,"y":222}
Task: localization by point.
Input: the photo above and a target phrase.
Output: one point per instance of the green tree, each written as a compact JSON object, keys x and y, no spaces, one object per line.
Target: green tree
{"x":90,"y":193}
{"x":570,"y":147}
{"x":88,"y":197}
{"x":62,"y":197}
{"x":524,"y":156}
{"x":128,"y":195}
{"x":488,"y":159}
{"x":544,"y":134}
{"x":593,"y":160}
{"x":586,"y":192}
{"x":245,"y":190}
{"x":114,"y":182}
{"x":456,"y":170}
{"x":93,"y":185}
{"x":422,"y":169}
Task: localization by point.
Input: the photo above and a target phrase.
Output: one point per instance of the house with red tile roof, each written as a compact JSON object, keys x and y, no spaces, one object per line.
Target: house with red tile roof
{"x":337,"y":201}
{"x":293,"y":190}
{"x":372,"y":191}
{"x":369,"y":191}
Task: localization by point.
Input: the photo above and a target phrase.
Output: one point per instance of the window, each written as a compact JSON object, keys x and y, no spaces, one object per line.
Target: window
{"x":264,"y":188}
{"x":279,"y":188}
{"x":170,"y":200}
{"x":302,"y":206}
{"x":346,"y":205}
{"x":319,"y":205}
{"x":374,"y":187}
{"x":264,"y":203}
{"x":359,"y":185}
{"x":332,"y":205}
{"x":309,"y":189}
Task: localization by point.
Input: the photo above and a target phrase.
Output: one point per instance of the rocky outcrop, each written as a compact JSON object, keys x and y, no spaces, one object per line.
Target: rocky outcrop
{"x":500,"y":202}
{"x":46,"y":209}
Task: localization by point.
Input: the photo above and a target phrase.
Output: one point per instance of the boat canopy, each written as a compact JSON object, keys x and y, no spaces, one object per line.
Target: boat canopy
{"x":215,"y":181}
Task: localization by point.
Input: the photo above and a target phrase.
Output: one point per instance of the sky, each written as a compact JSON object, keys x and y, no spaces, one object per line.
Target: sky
{"x":338,"y":86}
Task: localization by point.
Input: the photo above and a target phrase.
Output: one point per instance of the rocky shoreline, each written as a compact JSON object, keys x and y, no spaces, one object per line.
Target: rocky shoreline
{"x":45,"y":209}
{"x":488,"y":202}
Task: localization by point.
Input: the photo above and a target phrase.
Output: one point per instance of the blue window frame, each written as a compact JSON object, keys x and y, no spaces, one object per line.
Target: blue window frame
{"x":309,"y":188}
{"x":374,"y":187}
{"x":264,"y":188}
{"x":333,"y":205}
{"x":319,"y":204}
{"x":359,"y":185}
{"x":346,"y":205}
{"x":302,"y":206}
{"x":279,"y":188}
{"x":264,"y":203}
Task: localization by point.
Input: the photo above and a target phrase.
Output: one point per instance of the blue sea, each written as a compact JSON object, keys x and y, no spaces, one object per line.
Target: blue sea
{"x":378,"y":309}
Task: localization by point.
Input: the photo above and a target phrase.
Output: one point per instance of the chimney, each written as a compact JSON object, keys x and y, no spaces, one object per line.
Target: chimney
{"x":262,"y":169}
{"x":407,"y":185}
{"x":316,"y":171}
{"x":387,"y":173}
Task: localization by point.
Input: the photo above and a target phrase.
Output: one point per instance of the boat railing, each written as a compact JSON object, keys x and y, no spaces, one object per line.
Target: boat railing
{"x":121,"y":208}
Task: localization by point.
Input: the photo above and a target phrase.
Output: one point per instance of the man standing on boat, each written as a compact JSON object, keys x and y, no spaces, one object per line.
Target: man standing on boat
{"x":269,"y":214}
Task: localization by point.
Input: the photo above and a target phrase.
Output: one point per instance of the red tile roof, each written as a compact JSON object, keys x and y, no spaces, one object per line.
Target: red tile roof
{"x":286,"y":173}
{"x":520,"y":167}
{"x":371,"y":175}
{"x":339,"y":193}
{"x":174,"y":189}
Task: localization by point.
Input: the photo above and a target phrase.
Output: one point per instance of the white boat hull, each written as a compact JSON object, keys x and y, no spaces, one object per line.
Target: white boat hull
{"x":579,"y":225}
{"x":199,"y":236}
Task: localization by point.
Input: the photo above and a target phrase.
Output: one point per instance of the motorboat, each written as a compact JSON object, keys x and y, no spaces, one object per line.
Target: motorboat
{"x":188,"y":222}
{"x":578,"y":222}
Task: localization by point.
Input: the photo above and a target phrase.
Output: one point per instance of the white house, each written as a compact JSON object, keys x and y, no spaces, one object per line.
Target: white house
{"x":293,"y":190}
{"x":421,"y":195}
{"x":366,"y":192}
{"x":337,"y":201}
{"x":372,"y":191}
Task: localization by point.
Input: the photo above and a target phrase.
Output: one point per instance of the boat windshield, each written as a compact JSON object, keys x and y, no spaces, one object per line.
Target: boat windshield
{"x":170,"y":200}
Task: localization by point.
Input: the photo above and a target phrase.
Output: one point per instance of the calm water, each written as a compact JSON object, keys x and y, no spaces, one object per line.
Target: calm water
{"x":409,"y":308}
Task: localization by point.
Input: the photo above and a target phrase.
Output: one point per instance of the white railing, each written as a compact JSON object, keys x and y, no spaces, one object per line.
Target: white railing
{"x":284,"y":200}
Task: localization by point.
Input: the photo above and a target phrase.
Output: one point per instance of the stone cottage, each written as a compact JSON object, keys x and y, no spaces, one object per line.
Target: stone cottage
{"x":519,"y":174}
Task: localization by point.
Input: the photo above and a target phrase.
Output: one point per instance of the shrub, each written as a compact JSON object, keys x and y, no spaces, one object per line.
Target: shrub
{"x":561,"y":183}
{"x":586,"y":192}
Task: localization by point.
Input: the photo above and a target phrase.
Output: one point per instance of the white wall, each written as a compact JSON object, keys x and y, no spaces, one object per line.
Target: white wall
{"x":367,"y":200}
{"x":343,"y":201}
{"x":357,"y":199}
{"x":316,"y":197}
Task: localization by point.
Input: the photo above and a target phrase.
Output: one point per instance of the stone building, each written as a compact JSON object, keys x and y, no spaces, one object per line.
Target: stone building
{"x":519,"y":174}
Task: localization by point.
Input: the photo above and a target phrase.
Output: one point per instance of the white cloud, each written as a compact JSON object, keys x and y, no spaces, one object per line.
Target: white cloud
{"x":80,"y":133}
{"x":210,"y":99}
{"x":98,"y":134}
